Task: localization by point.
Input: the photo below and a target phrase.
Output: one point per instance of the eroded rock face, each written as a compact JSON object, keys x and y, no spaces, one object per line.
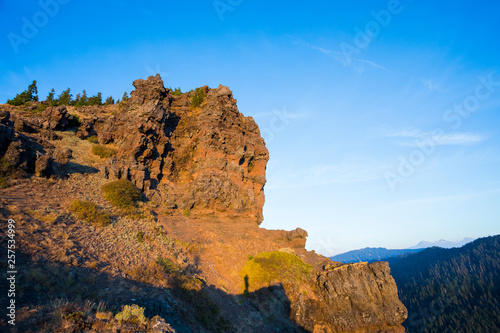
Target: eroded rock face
{"x":16,"y":153}
{"x":56,"y":118}
{"x":206,"y":159}
{"x":360,"y":295}
{"x":22,"y":155}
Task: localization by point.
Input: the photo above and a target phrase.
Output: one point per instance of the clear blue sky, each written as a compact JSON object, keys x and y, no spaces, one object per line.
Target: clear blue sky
{"x":381,"y":117}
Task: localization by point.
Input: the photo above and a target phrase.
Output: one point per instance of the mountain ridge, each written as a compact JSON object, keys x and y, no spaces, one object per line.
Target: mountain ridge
{"x":443,"y":243}
{"x":371,"y":254}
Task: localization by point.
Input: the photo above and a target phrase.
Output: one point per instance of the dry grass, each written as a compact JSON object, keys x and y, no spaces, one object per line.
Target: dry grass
{"x":90,"y":212}
{"x":45,"y":216}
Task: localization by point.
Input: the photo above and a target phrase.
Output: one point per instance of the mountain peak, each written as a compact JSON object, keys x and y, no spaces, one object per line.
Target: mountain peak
{"x":442,"y":243}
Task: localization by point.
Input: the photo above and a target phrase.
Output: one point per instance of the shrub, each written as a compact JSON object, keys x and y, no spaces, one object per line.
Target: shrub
{"x":176,"y":92}
{"x":103,"y":151}
{"x":273,"y":267}
{"x":198,"y":97}
{"x":74,"y":316}
{"x":186,"y":213}
{"x":104,"y":315}
{"x":131,"y":313}
{"x":92,"y":139}
{"x":89,"y":212}
{"x":3,"y":182}
{"x":41,"y":108}
{"x":167,"y":265}
{"x":140,"y":236}
{"x":121,"y":193}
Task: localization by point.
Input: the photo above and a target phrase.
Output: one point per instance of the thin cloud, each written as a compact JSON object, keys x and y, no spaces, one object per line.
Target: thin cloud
{"x":360,"y":65}
{"x":438,"y":137}
{"x":453,"y":198}
{"x":325,"y":174}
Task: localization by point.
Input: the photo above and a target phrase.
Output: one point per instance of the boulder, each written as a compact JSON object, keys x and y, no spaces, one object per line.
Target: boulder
{"x":4,"y":116}
{"x":43,"y":166}
{"x":57,"y":118}
{"x":63,"y":155}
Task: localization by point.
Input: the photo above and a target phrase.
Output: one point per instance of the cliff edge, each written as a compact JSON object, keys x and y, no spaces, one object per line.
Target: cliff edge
{"x":192,"y":242}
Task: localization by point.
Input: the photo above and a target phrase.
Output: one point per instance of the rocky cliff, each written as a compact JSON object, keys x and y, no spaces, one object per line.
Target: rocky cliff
{"x":201,"y":169}
{"x":208,"y":159}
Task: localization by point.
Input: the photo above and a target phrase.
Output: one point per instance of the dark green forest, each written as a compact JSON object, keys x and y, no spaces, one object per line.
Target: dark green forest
{"x":451,"y":290}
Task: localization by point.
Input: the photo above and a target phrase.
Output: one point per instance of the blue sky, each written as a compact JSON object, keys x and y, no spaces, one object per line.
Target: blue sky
{"x":381,"y":117}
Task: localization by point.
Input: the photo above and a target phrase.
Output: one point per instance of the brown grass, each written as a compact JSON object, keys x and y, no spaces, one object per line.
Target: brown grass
{"x":90,"y":212}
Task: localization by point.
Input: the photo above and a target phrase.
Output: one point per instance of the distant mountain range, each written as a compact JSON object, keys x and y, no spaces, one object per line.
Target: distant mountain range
{"x":442,"y":243}
{"x":371,"y":254}
{"x":451,"y":290}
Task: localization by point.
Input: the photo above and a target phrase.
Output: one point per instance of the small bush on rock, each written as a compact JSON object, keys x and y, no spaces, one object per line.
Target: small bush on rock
{"x":176,"y":92}
{"x":198,"y":97}
{"x":131,"y":313}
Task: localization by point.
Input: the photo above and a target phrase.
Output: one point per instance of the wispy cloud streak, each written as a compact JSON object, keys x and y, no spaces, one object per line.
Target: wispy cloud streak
{"x":360,"y":65}
{"x":438,"y":138}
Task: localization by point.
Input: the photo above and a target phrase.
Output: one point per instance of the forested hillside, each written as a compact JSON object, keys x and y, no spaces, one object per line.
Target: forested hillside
{"x":451,"y":290}
{"x":371,"y":254}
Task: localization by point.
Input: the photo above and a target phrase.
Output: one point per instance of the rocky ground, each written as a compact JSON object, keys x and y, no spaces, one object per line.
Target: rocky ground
{"x":179,"y":253}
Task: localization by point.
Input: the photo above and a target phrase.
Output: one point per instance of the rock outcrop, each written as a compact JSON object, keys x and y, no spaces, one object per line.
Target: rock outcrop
{"x":206,"y":159}
{"x":355,"y":296}
{"x":22,"y":155}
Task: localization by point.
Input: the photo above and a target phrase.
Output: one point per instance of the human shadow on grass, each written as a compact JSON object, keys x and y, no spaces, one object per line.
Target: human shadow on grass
{"x":54,"y":294}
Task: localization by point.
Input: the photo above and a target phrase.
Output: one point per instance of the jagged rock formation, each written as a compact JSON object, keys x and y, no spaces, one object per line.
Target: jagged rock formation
{"x":209,"y":161}
{"x":208,"y":158}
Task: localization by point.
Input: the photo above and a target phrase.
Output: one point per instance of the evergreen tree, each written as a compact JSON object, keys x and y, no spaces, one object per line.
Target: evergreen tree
{"x":109,"y":101}
{"x":83,"y":99}
{"x":50,"y":97}
{"x":451,"y":290}
{"x":32,"y":92}
{"x":76,"y":102}
{"x":125,"y":97}
{"x":65,"y":97}
{"x":96,"y":99}
{"x":26,"y":96}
